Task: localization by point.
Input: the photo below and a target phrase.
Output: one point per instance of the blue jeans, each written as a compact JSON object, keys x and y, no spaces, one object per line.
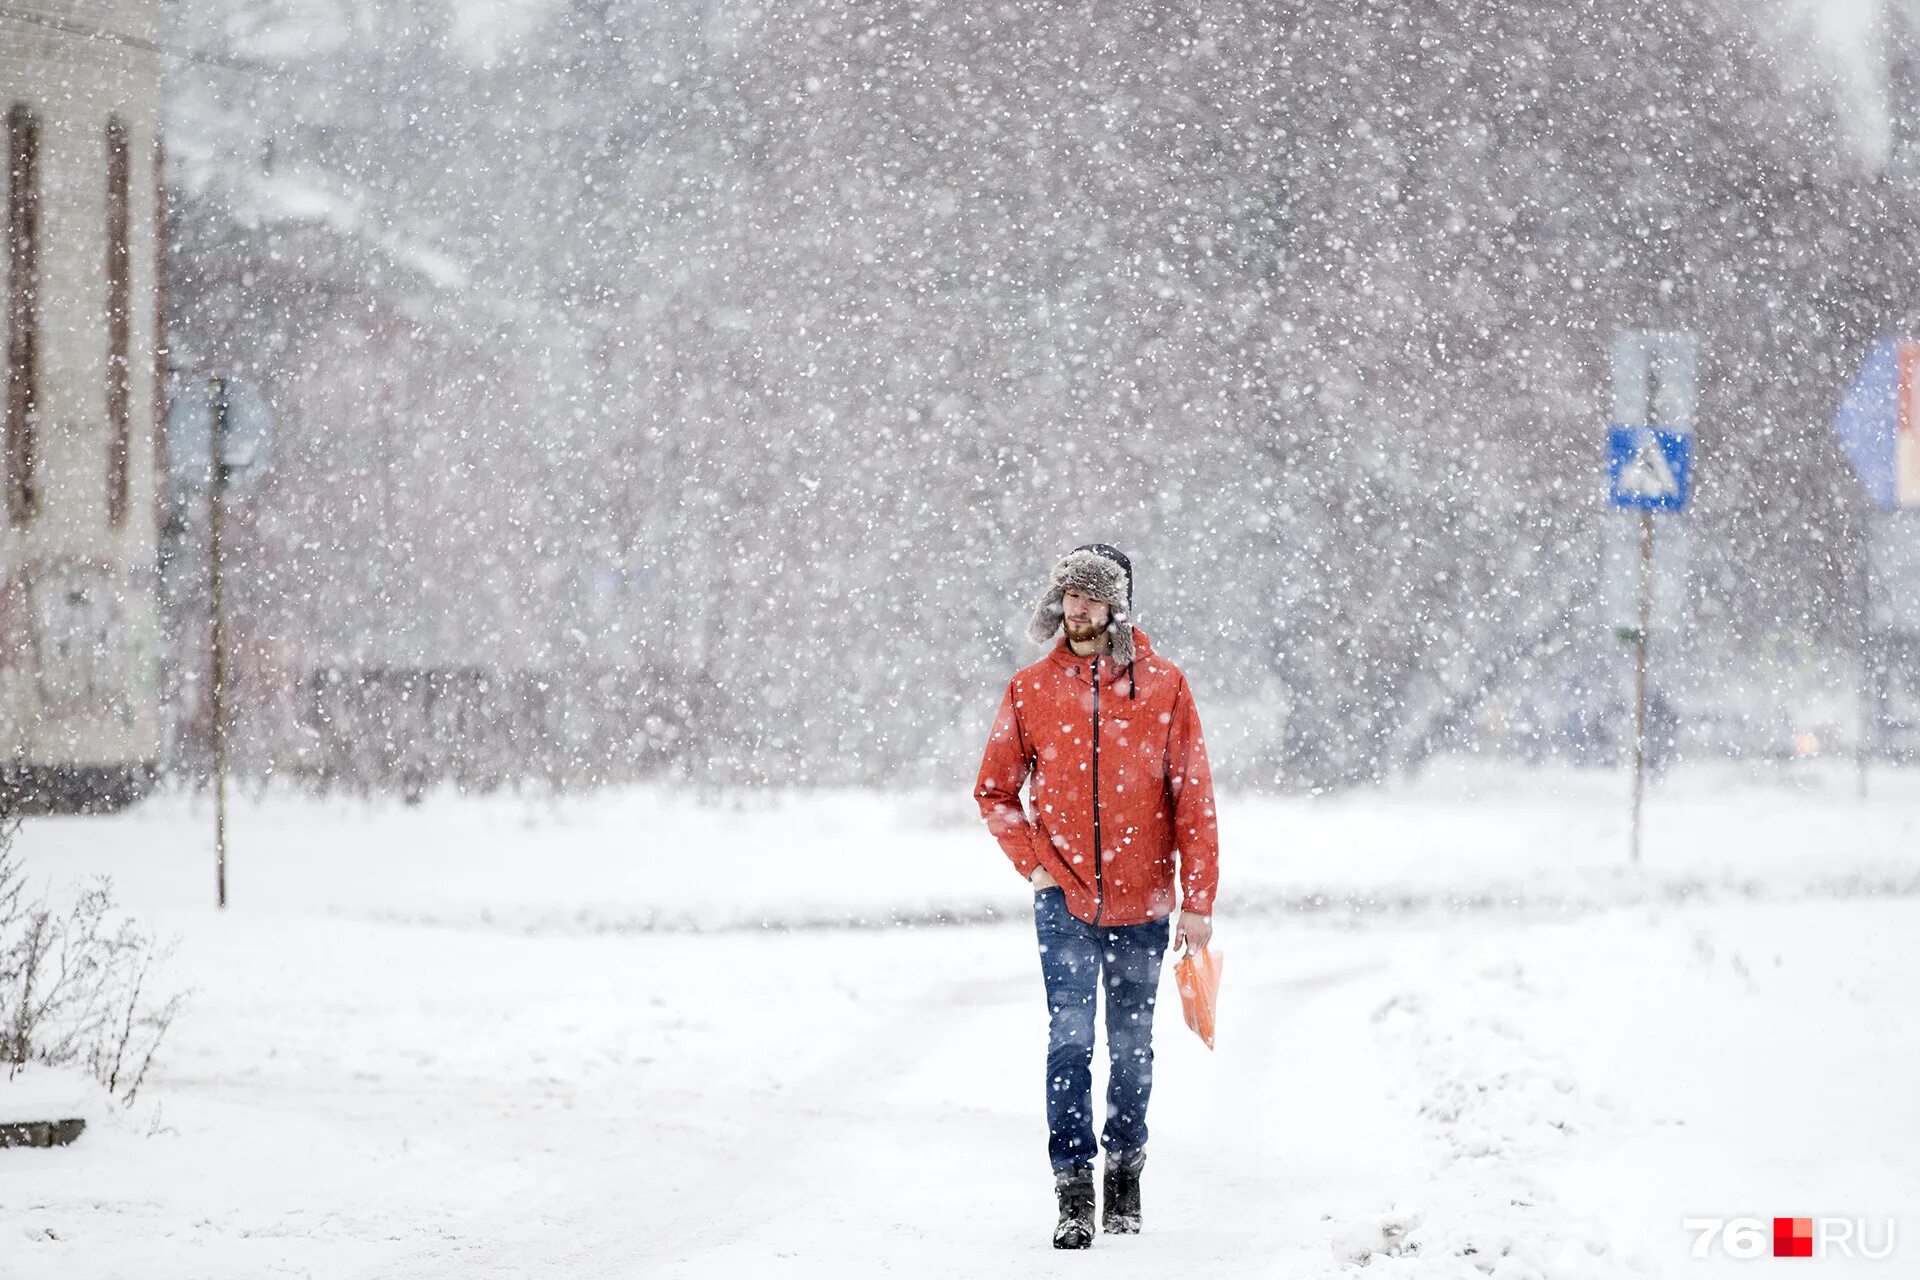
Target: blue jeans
{"x":1073,"y":957}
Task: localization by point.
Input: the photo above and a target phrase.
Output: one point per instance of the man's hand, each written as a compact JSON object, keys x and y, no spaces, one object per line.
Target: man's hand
{"x":1194,"y":932}
{"x":1042,"y":879}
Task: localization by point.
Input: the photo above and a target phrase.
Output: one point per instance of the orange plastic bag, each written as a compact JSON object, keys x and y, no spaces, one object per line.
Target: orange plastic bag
{"x":1198,"y":977}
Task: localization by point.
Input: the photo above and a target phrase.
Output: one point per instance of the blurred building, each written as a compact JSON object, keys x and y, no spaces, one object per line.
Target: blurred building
{"x":80,"y":296}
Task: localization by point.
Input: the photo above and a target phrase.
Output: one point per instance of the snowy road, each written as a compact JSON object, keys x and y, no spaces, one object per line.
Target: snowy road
{"x":708,"y":1107}
{"x":371,"y":1097}
{"x":868,"y":1103}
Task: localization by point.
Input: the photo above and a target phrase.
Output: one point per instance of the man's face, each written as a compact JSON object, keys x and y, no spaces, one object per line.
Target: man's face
{"x":1083,"y":616}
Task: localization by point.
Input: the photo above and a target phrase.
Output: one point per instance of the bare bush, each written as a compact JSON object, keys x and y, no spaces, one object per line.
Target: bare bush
{"x":75,"y":983}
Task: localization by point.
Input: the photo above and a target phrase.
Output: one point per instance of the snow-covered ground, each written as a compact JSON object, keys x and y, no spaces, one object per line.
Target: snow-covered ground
{"x":636,"y":1035}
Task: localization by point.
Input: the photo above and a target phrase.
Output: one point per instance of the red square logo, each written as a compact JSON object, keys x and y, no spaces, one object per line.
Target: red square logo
{"x":1793,"y":1237}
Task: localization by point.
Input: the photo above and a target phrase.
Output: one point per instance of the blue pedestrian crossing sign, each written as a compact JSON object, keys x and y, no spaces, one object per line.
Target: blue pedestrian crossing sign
{"x":1649,"y":468}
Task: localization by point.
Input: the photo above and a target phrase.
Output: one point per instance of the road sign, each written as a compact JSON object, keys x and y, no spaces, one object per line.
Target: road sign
{"x":1671,"y":588}
{"x":1879,"y":423}
{"x":1655,"y":377}
{"x":1649,"y":468}
{"x":1650,"y":444}
{"x":190,"y":434}
{"x":1893,"y":572}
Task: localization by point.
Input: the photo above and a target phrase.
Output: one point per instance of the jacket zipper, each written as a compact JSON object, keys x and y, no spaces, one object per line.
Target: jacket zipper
{"x":1099,"y":862}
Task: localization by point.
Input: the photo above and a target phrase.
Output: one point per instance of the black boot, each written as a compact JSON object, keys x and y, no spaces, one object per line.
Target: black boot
{"x":1120,"y":1197}
{"x":1075,"y":1228}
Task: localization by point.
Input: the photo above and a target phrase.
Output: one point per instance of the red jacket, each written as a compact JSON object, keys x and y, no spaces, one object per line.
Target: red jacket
{"x":1120,"y":784}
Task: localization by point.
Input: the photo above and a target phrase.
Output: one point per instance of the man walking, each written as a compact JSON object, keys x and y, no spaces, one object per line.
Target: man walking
{"x":1107,"y":732}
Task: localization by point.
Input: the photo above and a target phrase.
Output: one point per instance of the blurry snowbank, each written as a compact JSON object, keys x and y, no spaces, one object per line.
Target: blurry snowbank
{"x":51,"y":1093}
{"x":1461,"y":838}
{"x":1589,"y":1097}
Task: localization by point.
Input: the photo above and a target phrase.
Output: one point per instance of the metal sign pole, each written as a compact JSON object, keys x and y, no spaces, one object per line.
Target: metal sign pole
{"x":1643,"y":628}
{"x":1650,"y":468}
{"x":1862,"y":747}
{"x":216,"y":502}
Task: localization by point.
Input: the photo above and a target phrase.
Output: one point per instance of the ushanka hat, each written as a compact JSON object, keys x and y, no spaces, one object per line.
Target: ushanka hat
{"x":1103,"y":573}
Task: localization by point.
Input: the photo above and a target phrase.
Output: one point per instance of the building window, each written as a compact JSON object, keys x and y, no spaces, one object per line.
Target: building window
{"x":23,"y":310}
{"x":119,"y":317}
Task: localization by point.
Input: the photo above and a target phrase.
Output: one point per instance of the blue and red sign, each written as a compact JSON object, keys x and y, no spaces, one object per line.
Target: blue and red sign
{"x":1879,"y":423}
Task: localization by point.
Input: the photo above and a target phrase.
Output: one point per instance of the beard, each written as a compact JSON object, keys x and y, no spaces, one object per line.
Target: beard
{"x":1081,"y":632}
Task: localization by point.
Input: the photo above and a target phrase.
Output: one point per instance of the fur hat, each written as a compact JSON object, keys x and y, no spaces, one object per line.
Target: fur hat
{"x":1095,"y":570}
